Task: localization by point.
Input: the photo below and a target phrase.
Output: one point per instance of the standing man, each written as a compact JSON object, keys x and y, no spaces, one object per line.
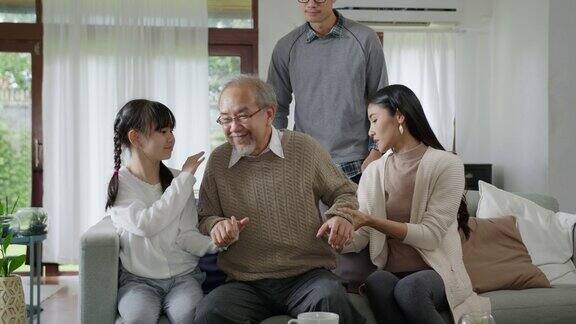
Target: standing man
{"x":332,"y":65}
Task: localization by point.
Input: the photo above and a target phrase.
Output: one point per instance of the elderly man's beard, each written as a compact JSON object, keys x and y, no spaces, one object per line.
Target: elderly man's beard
{"x":246,"y":150}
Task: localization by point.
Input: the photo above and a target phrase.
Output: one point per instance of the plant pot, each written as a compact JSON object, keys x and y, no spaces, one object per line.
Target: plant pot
{"x":12,"y":306}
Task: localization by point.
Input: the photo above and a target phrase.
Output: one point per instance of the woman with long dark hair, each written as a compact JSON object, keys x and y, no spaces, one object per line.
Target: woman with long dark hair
{"x":411,"y":208}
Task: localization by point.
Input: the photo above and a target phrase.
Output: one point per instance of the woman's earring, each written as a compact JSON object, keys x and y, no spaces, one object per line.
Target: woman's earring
{"x":401,"y":129}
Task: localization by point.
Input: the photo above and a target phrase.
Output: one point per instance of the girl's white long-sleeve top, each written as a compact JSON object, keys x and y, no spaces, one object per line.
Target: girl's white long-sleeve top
{"x":158,"y":231}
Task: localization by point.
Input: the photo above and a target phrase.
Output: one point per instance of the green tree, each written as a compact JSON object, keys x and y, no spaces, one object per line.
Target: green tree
{"x":220,"y":68}
{"x":15,"y":70}
{"x":15,"y":168}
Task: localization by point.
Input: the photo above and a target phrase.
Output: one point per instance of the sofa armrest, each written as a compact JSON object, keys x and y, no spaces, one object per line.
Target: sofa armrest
{"x":99,"y":251}
{"x":574,"y":245}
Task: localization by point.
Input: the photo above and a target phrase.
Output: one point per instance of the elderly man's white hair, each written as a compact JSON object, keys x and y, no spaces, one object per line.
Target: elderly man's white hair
{"x":263,"y":92}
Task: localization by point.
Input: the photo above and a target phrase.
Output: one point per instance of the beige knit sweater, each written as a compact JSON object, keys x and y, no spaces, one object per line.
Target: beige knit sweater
{"x":280,"y":196}
{"x":433,"y":229}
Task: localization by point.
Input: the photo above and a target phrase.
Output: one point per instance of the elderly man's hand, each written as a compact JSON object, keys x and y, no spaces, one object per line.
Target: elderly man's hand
{"x":227,"y":231}
{"x":339,"y":231}
{"x":360,"y":219}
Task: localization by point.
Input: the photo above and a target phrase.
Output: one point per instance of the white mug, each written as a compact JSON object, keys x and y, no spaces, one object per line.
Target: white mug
{"x":316,"y":318}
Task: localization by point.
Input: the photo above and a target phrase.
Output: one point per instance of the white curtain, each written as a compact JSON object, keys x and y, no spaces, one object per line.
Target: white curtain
{"x":424,"y":61}
{"x":98,"y":54}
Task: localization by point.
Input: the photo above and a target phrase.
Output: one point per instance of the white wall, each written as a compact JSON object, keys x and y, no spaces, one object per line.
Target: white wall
{"x":473,"y":85}
{"x":502,"y":94}
{"x":276,"y":18}
{"x":562,"y":103}
{"x":518,"y":109}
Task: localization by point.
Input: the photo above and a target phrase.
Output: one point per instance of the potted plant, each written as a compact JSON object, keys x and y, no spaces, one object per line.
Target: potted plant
{"x":30,"y":221}
{"x":12,"y":306}
{"x":38,"y":223}
{"x":6,"y":216}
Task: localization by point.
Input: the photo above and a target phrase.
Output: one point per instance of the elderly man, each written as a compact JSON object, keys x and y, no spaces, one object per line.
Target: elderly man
{"x":259,"y":197}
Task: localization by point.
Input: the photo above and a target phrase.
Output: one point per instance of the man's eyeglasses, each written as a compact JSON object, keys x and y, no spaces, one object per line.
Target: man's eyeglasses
{"x":317,"y":1}
{"x":242,"y":119}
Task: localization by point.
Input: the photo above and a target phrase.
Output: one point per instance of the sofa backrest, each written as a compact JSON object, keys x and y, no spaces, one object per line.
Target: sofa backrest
{"x":544,"y":201}
{"x":550,"y":203}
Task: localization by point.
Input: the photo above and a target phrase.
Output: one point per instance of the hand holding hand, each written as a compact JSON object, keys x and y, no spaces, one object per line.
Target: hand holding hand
{"x":227,"y":231}
{"x":339,"y":231}
{"x":359,"y":218}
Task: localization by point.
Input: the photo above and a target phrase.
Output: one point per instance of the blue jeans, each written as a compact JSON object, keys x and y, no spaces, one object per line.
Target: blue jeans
{"x":142,"y":300}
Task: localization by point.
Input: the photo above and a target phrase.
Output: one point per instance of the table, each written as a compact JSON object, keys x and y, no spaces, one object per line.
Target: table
{"x":35,"y":275}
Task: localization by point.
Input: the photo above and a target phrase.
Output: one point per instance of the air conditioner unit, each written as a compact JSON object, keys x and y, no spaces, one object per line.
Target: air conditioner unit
{"x":415,"y":12}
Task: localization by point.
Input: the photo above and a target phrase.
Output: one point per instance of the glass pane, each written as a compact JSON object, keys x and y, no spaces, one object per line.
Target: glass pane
{"x":17,"y":11}
{"x":15,"y":128}
{"x":15,"y":135}
{"x":17,"y":249}
{"x":230,"y":14}
{"x":220,"y":69}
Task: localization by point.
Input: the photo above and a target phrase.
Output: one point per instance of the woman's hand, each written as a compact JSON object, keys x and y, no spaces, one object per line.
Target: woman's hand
{"x":392,"y":228}
{"x":359,"y":218}
{"x":192,"y":162}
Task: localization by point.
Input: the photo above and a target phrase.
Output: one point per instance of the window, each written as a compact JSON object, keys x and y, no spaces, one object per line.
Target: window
{"x":220,"y":68}
{"x":20,"y":105}
{"x":16,"y":127}
{"x":230,"y":14}
{"x":233,"y":46}
{"x":17,"y":11}
{"x":20,"y":102}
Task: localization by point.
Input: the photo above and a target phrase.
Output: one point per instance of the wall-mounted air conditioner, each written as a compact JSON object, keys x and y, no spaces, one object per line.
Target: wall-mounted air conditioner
{"x":401,"y":11}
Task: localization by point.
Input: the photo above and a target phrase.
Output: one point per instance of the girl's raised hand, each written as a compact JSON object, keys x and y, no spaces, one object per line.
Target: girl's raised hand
{"x":192,"y":162}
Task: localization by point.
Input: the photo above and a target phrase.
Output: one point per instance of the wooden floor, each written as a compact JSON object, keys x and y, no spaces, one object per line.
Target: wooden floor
{"x":63,"y":307}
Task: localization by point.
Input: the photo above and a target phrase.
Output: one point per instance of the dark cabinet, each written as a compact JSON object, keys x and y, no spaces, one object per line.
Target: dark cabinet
{"x":475,"y":172}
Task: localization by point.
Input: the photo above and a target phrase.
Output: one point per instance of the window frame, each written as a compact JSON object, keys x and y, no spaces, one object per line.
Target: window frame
{"x":27,"y":38}
{"x":241,"y":42}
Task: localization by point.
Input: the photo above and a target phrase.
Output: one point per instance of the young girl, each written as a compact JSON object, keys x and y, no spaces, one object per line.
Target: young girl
{"x":153,"y":210}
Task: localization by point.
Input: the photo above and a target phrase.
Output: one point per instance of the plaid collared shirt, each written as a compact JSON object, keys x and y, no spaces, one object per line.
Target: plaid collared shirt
{"x":335,"y":32}
{"x":351,"y":169}
{"x":354,"y":168}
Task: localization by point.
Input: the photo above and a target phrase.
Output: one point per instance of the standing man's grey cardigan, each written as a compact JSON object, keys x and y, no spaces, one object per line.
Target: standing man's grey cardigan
{"x":331,"y":78}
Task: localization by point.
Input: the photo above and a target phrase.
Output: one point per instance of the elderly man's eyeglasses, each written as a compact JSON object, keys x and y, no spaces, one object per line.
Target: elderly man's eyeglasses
{"x":242,"y":119}
{"x":317,"y":1}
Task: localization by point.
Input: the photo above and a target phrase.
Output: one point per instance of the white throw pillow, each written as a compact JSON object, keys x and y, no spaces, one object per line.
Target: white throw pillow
{"x":546,"y":234}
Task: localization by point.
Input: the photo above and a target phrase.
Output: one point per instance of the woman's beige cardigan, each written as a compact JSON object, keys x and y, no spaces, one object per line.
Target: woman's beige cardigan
{"x":433,"y":229}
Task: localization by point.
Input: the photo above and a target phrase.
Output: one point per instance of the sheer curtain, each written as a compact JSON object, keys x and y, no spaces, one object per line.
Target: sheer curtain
{"x":424,"y":61}
{"x":98,"y":55}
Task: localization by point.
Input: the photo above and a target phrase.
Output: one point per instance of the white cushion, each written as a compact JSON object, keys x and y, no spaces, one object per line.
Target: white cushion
{"x":547,"y":235}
